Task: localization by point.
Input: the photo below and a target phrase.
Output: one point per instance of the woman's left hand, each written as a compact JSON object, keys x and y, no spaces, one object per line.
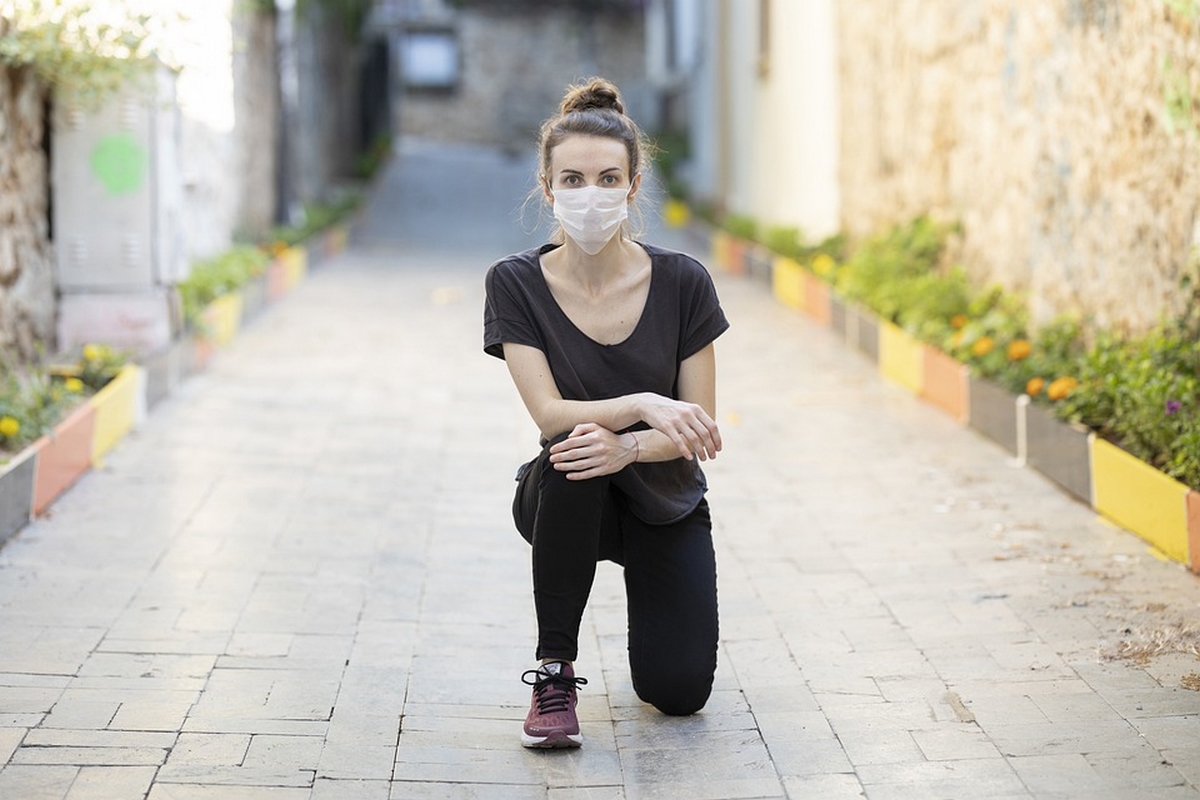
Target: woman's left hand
{"x":591,"y":451}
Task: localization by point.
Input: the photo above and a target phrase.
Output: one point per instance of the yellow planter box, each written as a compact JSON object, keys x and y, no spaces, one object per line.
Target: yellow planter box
{"x":116,"y":410}
{"x":295,"y":263}
{"x":223,"y":317}
{"x":901,"y":357}
{"x":787,"y":282}
{"x":1138,"y":497}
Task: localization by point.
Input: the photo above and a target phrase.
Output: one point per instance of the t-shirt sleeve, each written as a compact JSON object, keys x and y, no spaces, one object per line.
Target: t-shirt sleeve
{"x":703,"y":319}
{"x":507,"y":316}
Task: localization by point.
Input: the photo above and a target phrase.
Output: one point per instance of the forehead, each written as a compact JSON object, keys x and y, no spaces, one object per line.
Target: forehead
{"x":588,"y":153}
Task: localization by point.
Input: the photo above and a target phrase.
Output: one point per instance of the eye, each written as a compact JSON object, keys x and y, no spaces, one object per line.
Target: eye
{"x":610,"y":180}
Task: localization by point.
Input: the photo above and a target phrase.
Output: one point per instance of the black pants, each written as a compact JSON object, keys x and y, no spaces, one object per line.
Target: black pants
{"x":670,"y":581}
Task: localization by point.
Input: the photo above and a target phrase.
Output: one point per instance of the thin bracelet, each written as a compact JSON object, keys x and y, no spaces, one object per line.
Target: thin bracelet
{"x":637,"y":447}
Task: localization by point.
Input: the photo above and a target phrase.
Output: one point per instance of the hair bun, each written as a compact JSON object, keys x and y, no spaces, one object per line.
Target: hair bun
{"x":596,"y":93}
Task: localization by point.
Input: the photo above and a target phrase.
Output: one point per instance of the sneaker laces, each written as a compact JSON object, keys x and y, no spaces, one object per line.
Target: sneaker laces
{"x":552,"y":690}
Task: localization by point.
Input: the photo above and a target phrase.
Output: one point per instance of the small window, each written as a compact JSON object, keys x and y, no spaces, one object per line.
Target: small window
{"x":429,"y":59}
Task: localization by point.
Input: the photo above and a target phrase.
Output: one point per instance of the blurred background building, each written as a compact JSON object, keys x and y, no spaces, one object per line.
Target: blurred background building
{"x":1062,"y":135}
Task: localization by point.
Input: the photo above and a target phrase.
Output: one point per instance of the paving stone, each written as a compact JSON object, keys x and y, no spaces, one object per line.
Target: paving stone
{"x":103,"y":783}
{"x":41,"y":781}
{"x":830,"y":786}
{"x":299,"y":578}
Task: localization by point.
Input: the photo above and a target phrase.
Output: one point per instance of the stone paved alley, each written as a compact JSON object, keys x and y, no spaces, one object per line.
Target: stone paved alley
{"x":299,"y":578}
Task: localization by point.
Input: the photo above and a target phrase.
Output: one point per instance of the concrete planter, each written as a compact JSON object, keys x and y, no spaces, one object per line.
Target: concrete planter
{"x":254,"y":298}
{"x":62,"y":457}
{"x":945,"y":383}
{"x":165,"y":370}
{"x":837,"y":315}
{"x":759,"y":263}
{"x":1138,"y":497}
{"x":338,"y":237}
{"x":1060,"y":451}
{"x":993,"y":411}
{"x":901,"y":357}
{"x":17,"y":479}
{"x":1193,"y":515}
{"x":866,"y":333}
{"x":787,"y":282}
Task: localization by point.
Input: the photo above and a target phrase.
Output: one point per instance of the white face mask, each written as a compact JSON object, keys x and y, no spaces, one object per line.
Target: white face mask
{"x":591,"y":216}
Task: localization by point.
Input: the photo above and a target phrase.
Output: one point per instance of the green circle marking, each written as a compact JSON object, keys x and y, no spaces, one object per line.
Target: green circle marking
{"x":119,"y":162}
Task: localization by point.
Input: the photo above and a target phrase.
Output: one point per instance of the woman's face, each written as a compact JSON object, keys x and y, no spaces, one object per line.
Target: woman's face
{"x":579,"y":161}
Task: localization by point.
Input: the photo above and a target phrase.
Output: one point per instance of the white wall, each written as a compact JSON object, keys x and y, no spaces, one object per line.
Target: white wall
{"x":794,"y":152}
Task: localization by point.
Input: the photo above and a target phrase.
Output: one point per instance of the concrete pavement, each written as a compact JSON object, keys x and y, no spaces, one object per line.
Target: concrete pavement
{"x":299,"y":579}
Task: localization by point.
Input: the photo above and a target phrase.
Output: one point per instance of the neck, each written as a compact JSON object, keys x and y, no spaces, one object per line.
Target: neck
{"x":595,"y":272}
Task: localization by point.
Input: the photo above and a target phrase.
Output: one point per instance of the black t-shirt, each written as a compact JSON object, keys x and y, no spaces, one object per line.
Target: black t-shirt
{"x":682,"y":316}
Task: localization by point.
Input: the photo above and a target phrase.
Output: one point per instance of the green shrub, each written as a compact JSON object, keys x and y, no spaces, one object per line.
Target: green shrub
{"x":218,"y":276}
{"x":741,"y":226}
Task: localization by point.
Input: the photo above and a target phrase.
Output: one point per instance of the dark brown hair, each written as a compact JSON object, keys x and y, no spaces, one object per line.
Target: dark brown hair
{"x":593,"y":108}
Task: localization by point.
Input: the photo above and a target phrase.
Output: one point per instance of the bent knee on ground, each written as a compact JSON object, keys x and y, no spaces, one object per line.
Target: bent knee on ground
{"x":675,"y":694}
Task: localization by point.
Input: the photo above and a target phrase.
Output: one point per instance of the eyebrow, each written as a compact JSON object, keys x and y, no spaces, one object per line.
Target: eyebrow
{"x":577,"y":172}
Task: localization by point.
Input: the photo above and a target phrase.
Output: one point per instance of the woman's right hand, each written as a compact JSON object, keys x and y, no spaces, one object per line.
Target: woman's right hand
{"x":687,"y":425}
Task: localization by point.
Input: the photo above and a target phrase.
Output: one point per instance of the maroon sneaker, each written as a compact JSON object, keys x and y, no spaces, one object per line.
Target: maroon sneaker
{"x":551,"y":721}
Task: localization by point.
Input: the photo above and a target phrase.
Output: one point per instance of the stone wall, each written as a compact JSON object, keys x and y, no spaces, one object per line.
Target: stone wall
{"x":1042,"y":127}
{"x":27,"y":305}
{"x":515,"y":66}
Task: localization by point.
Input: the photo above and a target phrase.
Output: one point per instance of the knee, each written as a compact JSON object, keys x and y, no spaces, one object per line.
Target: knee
{"x":676,"y":692}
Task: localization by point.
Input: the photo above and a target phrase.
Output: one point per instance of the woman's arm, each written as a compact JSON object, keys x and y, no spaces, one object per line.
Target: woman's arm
{"x":686,"y":423}
{"x":698,"y":385}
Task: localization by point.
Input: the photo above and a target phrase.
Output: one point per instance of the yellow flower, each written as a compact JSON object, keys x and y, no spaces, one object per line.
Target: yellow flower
{"x":823,"y":264}
{"x":1019,"y":349}
{"x":676,"y":213}
{"x":956,"y":339}
{"x":1034,"y":387}
{"x":73,"y":385}
{"x":1061,"y":387}
{"x":9,"y":427}
{"x":982,"y":346}
{"x":958,"y":321}
{"x":92,"y":352}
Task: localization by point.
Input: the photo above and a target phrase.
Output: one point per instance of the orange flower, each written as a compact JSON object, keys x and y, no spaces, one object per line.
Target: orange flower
{"x":958,"y":321}
{"x":1034,"y":386}
{"x":1019,"y":349}
{"x":1062,"y":387}
{"x":982,"y":346}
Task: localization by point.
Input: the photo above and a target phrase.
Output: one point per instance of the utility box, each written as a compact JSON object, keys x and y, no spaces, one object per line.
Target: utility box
{"x":117,"y":201}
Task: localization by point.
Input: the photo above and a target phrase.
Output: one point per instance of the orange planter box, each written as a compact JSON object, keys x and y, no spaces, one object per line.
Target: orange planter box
{"x":816,"y":299}
{"x":945,"y":383}
{"x":735,"y":250}
{"x":63,"y":457}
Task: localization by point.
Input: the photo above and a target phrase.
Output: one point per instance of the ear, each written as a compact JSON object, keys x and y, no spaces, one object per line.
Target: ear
{"x":634,"y":185}
{"x":546,"y":192}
